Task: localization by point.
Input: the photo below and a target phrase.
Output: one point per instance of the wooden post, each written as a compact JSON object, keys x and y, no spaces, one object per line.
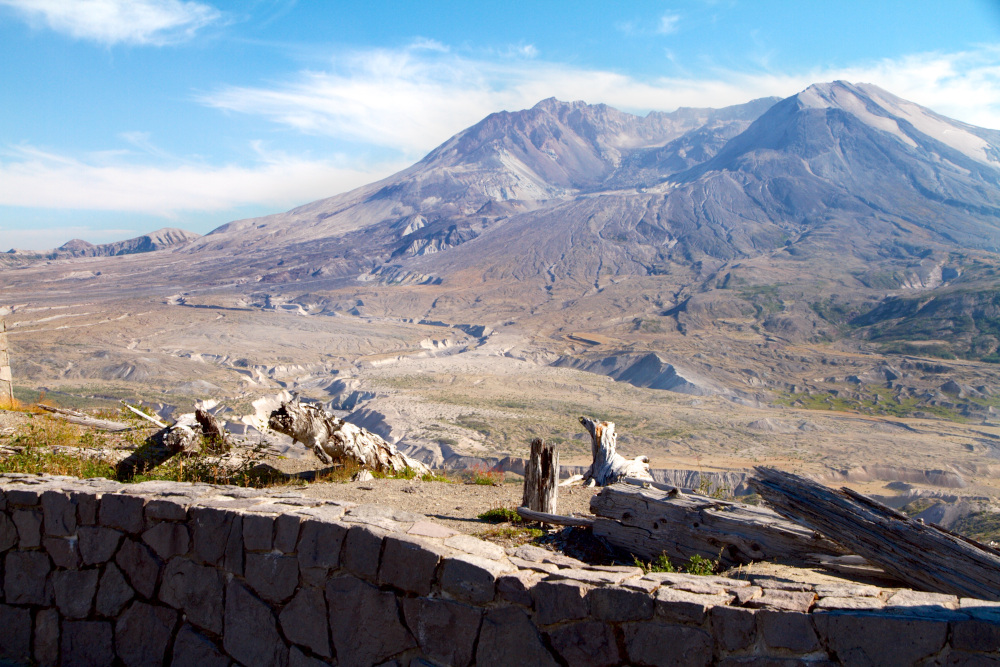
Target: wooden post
{"x":6,"y":379}
{"x":541,"y":477}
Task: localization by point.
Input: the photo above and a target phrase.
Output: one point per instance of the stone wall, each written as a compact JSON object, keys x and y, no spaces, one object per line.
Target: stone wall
{"x":6,"y":380}
{"x":101,"y":573}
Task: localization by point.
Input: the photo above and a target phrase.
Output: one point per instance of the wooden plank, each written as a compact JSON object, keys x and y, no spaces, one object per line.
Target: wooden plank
{"x":648,"y":521}
{"x":557,"y":519}
{"x":541,"y":473}
{"x":922,"y":555}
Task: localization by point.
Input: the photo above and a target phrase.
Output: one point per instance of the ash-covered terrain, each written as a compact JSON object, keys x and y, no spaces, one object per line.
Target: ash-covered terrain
{"x":810,"y":282}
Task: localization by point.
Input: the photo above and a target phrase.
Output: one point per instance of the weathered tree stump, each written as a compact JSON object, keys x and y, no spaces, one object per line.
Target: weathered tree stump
{"x":6,"y":379}
{"x":216,"y":436}
{"x":541,"y":476}
{"x":334,"y":439}
{"x":608,"y":466}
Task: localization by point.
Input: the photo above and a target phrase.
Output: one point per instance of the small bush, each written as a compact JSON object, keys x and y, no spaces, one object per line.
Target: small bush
{"x":660,"y":564}
{"x":501,"y":515}
{"x":697,"y":565}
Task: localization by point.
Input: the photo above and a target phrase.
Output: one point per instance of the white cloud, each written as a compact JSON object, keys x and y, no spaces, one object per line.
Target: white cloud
{"x":109,"y":22}
{"x":35,"y":178}
{"x":668,"y":24}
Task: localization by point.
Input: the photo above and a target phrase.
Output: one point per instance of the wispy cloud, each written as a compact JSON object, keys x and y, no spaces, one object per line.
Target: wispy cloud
{"x":109,"y":22}
{"x":668,"y":24}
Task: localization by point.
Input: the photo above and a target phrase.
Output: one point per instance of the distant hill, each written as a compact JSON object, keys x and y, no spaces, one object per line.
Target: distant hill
{"x":162,"y":238}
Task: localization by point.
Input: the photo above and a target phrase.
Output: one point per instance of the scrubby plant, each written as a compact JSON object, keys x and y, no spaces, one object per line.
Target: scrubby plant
{"x":501,"y":515}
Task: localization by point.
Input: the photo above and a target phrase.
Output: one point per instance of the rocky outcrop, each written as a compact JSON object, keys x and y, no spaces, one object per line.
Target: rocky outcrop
{"x":645,"y":370}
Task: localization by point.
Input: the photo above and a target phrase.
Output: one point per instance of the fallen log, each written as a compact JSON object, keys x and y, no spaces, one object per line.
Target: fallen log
{"x":648,"y":521}
{"x":608,"y":466}
{"x":334,"y":439}
{"x":540,"y":475}
{"x":555,"y":519}
{"x":86,"y":420}
{"x":140,"y":413}
{"x":922,"y":555}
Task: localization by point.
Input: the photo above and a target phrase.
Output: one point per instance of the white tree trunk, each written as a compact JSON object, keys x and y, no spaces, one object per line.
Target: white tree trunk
{"x":610,"y":467}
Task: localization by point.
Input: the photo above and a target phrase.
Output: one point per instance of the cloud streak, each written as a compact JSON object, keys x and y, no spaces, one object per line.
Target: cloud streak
{"x":109,"y":22}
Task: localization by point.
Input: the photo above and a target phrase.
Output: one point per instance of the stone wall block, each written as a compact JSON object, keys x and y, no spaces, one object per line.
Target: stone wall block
{"x":168,"y":539}
{"x":87,"y":505}
{"x":258,"y":532}
{"x":320,"y":544}
{"x":163,"y":509}
{"x":410,"y":563}
{"x":733,"y":628}
{"x":26,"y":497}
{"x":364,"y":622}
{"x":8,"y":533}
{"x":788,"y":630}
{"x":210,"y":528}
{"x":74,"y":591}
{"x":273,"y":576}
{"x":362,"y":550}
{"x":97,"y":544}
{"x":305,"y":622}
{"x":250,"y":632}
{"x":233,"y":560}
{"x":667,"y":645}
{"x":64,"y":551}
{"x":586,"y":644}
{"x":516,"y":586}
{"x":26,"y":578}
{"x":870,"y":639}
{"x":123,"y":512}
{"x":143,"y":633}
{"x":46,"y":642}
{"x":296,"y":658}
{"x":196,"y":590}
{"x":557,"y":601}
{"x":15,"y":637}
{"x":976,"y":635}
{"x":113,"y":593}
{"x":192,"y":648}
{"x":446,"y":631}
{"x":140,"y":565}
{"x":508,"y":637}
{"x":608,"y":603}
{"x":683,"y":607}
{"x":29,"y":528}
{"x":286,"y":533}
{"x":59,"y":511}
{"x":86,"y":644}
{"x":471,"y":578}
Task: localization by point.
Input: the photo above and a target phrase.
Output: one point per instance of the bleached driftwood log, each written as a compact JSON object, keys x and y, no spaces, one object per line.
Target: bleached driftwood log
{"x":86,"y":420}
{"x":541,"y":473}
{"x":334,"y":439}
{"x":555,"y":519}
{"x":139,"y":413}
{"x":608,"y":466}
{"x":922,"y":555}
{"x":648,"y":520}
{"x":183,"y":437}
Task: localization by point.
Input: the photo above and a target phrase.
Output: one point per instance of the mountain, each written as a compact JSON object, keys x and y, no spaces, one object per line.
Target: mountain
{"x":168,"y":237}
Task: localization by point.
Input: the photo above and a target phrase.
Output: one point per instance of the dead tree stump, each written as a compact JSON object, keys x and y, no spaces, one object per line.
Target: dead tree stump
{"x":610,"y":467}
{"x":541,"y":477}
{"x":6,"y":379}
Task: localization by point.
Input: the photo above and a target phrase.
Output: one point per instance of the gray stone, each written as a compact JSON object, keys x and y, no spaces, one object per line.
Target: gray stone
{"x":782,"y":600}
{"x":296,"y":658}
{"x":667,"y":645}
{"x":273,"y":576}
{"x":168,"y":539}
{"x":15,"y":639}
{"x":233,"y":561}
{"x":446,"y":631}
{"x":733,"y":628}
{"x":113,"y":593}
{"x":97,"y":544}
{"x":123,"y":512}
{"x":848,"y":603}
{"x":304,"y":621}
{"x":963,"y":659}
{"x":251,"y":632}
{"x":587,"y":644}
{"x":87,"y":505}
{"x":26,"y":578}
{"x":507,"y":638}
{"x":409,"y":563}
{"x":320,"y":544}
{"x":23,"y":496}
{"x":162,"y":509}
{"x":356,"y":609}
{"x":8,"y":533}
{"x":620,"y":604}
{"x":362,"y":549}
{"x":143,"y":633}
{"x":747,"y":593}
{"x":516,"y":586}
{"x":210,"y":533}
{"x":858,"y":638}
{"x":557,"y":601}
{"x":196,"y":590}
{"x":86,"y":644}
{"x":787,"y":629}
{"x":59,"y":511}
{"x":476,"y":547}
{"x":192,"y":649}
{"x":685,"y":607}
{"x":46,"y":638}
{"x":74,"y":591}
{"x":471,"y":578}
{"x":29,"y":528}
{"x":286,"y":533}
{"x":592,"y":577}
{"x":63,"y":551}
{"x":929,"y":601}
{"x":382,"y":516}
{"x":975,"y":635}
{"x":258,"y":531}
{"x":140,"y":565}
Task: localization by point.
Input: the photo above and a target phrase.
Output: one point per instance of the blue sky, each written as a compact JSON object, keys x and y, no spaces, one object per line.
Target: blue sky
{"x":122,"y":116}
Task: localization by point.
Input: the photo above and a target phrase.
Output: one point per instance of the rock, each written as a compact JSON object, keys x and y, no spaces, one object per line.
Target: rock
{"x":286,"y":533}
{"x":195,"y":590}
{"x":46,"y":637}
{"x":15,"y":640}
{"x":471,"y":578}
{"x":29,"y":528}
{"x":620,"y":604}
{"x":362,"y":548}
{"x":587,"y":644}
{"x":258,"y":531}
{"x":193,"y":648}
{"x":508,"y":637}
{"x":59,"y":511}
{"x":8,"y":533}
{"x":476,"y":547}
{"x":273,"y":576}
{"x":26,"y":578}
{"x":142,"y":634}
{"x":686,"y":607}
{"x":97,"y":544}
{"x":304,"y":621}
{"x":74,"y":592}
{"x":113,"y":593}
{"x":63,"y":551}
{"x":733,"y":628}
{"x":140,"y":566}
{"x":788,"y":630}
{"x":250,"y":631}
{"x":667,"y":645}
{"x":356,"y":610}
{"x":320,"y":544}
{"x":363,"y":476}
{"x":858,"y":638}
{"x":163,"y":509}
{"x":122,"y":511}
{"x":409,"y":563}
{"x":446,"y":631}
{"x":800,"y":601}
{"x":86,"y":643}
{"x":516,"y":586}
{"x":557,"y":601}
{"x":975,"y":635}
{"x":168,"y":539}
{"x":210,"y":533}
